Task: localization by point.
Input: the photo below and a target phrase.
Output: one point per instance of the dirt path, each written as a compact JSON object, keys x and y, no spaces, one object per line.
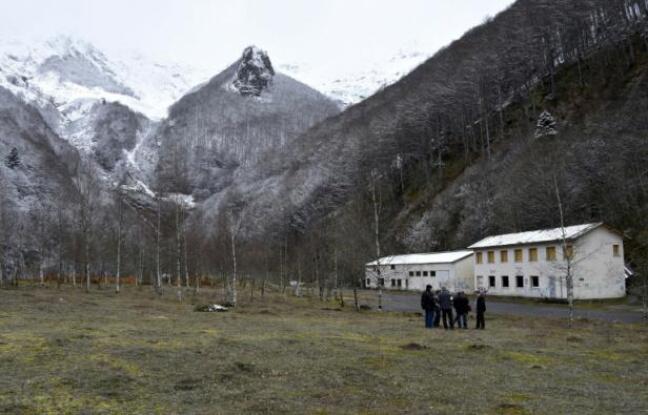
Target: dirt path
{"x":411,"y":302}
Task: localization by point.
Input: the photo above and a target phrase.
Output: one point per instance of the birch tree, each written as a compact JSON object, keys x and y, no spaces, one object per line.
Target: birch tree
{"x":568,"y":253}
{"x":87,"y":193}
{"x":120,"y":221}
{"x":376,"y":201}
{"x":235,"y":216}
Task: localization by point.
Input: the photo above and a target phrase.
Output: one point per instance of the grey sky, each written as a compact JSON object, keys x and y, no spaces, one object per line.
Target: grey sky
{"x":212,"y":33}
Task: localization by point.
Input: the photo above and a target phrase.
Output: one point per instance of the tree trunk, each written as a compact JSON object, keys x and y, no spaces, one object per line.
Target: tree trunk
{"x":336,"y":274}
{"x":376,"y":206}
{"x":567,"y":253}
{"x":86,"y":264}
{"x":645,"y":297}
{"x":232,"y":294}
{"x":158,"y":276}
{"x":184,"y":248}
{"x":41,"y":273}
{"x":119,"y":246}
{"x":60,"y":252}
{"x":178,"y":253}
{"x":299,"y":279}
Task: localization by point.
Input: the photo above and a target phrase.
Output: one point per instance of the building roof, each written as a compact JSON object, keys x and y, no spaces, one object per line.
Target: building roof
{"x":423,"y":259}
{"x":531,"y":237}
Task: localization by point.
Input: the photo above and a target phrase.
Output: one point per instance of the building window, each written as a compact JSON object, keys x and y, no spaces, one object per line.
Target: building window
{"x":411,"y":273}
{"x":491,"y":257}
{"x":393,"y":267}
{"x":491,"y":281}
{"x":393,"y":283}
{"x":551,"y":253}
{"x":432,"y":273}
{"x":368,"y":282}
{"x":519,"y":281}
{"x":418,"y":273}
{"x":480,"y":281}
{"x":381,"y":282}
{"x":533,"y":254}
{"x":535,"y":281}
{"x":400,"y":283}
{"x":569,"y":252}
{"x":518,"y":255}
{"x":425,"y":273}
{"x":478,"y":258}
{"x":616,"y":250}
{"x":504,"y":256}
{"x":505,"y":281}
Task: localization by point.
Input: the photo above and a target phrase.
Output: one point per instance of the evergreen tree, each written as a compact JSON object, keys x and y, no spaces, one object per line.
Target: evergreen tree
{"x":546,"y":125}
{"x":13,"y":159}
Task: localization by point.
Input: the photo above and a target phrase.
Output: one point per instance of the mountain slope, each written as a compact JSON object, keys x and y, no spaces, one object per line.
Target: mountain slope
{"x":421,"y":133}
{"x":242,"y":117}
{"x":36,"y":165}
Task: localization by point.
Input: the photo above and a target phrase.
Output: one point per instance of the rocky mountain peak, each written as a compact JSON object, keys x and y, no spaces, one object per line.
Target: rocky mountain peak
{"x":255,"y":72}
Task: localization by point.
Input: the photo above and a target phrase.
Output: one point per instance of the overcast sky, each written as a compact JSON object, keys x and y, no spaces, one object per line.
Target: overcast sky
{"x":212,"y":33}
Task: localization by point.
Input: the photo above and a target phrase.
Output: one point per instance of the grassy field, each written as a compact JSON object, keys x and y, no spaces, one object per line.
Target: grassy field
{"x":68,"y":352}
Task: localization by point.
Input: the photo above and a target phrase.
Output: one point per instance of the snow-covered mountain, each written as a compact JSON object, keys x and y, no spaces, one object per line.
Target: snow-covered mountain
{"x":69,"y":74}
{"x":348,"y":86}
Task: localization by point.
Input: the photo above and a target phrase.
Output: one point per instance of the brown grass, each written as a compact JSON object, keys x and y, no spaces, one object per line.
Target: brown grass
{"x":67,"y":352}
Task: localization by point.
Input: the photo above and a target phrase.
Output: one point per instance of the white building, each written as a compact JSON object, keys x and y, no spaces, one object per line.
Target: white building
{"x":453,"y":270}
{"x":533,"y":264}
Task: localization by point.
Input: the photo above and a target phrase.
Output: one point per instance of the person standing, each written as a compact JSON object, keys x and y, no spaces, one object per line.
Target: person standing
{"x":437,"y":309}
{"x":445,"y":301}
{"x":462,"y":307}
{"x":428,"y":304}
{"x":480,"y":307}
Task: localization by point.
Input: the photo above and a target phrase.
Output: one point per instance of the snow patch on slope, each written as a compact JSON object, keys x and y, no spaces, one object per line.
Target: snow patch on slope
{"x":350,"y":87}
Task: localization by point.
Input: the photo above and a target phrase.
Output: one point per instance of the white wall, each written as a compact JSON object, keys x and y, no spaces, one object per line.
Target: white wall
{"x":597,"y":273}
{"x":454,"y":276}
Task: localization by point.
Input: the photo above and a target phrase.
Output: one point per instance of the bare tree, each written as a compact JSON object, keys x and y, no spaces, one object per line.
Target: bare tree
{"x":87,"y":192}
{"x":158,"y":230}
{"x":235,"y":216}
{"x":120,"y":221}
{"x":376,"y":201}
{"x":568,"y":253}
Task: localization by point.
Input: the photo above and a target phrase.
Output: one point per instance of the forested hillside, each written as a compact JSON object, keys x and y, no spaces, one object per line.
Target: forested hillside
{"x":543,"y":107}
{"x":549,"y":98}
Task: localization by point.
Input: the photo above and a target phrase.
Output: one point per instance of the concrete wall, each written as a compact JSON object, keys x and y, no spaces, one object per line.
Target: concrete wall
{"x":597,"y":273}
{"x":454,"y":276}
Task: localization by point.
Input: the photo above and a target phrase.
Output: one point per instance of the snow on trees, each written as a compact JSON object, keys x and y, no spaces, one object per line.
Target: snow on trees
{"x":546,"y":125}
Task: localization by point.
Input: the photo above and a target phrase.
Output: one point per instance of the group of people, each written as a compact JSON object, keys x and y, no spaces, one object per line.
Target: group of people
{"x":438,"y":306}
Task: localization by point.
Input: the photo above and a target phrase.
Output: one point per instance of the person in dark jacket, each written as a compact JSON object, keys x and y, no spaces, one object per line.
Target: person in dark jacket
{"x":437,"y":309}
{"x":445,"y":301}
{"x":462,"y":307}
{"x":480,"y":307}
{"x":428,"y":304}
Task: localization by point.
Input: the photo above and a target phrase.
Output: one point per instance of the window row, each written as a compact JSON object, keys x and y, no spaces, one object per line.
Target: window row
{"x":518,"y":255}
{"x":422,"y":273}
{"x":506,"y":283}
